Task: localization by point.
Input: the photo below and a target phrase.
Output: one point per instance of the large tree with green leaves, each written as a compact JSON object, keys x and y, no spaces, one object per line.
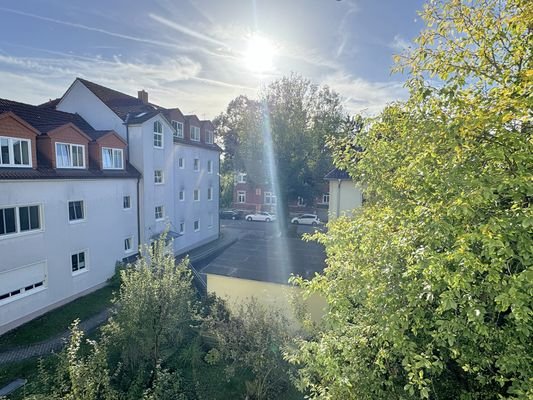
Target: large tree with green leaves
{"x":284,"y":134}
{"x":430,"y":285}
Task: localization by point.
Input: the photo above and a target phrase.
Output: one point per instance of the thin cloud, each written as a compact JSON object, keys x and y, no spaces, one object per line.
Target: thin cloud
{"x":187,"y":31}
{"x":220,"y":83}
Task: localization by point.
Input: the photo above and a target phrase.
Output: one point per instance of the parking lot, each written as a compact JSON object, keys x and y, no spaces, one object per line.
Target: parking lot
{"x":265,"y":228}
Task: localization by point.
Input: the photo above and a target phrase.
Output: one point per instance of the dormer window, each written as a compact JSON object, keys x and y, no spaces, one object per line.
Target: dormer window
{"x":209,"y":137}
{"x":112,"y":158}
{"x":15,"y":152}
{"x":178,"y":129}
{"x":158,"y":135}
{"x":195,"y":133}
{"x":70,"y":155}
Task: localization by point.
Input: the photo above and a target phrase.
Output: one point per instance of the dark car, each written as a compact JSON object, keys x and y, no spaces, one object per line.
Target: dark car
{"x":230,"y":214}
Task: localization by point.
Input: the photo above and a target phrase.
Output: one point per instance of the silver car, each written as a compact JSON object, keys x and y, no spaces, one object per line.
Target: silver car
{"x":261,"y":216}
{"x":306,"y":219}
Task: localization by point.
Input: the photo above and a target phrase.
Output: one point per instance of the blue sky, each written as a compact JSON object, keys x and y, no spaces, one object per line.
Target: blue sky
{"x":191,"y":53}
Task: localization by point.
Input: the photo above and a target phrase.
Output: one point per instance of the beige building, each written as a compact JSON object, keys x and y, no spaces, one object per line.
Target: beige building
{"x":344,"y":194}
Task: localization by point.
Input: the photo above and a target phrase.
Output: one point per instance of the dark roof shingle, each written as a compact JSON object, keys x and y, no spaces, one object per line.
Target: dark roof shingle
{"x":336,"y":173}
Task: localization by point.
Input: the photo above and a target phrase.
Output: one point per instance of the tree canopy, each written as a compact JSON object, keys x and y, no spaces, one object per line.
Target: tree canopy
{"x":430,"y":284}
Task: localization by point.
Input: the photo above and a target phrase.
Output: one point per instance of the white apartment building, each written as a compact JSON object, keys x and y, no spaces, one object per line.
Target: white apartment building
{"x":87,"y":178}
{"x":67,"y":209}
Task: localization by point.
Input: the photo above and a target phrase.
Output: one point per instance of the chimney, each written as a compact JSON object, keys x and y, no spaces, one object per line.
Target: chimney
{"x":143,"y":96}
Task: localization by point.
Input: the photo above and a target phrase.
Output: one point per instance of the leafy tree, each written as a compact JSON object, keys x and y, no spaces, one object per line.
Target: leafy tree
{"x":251,"y":340}
{"x":285,"y":131}
{"x":430,"y":285}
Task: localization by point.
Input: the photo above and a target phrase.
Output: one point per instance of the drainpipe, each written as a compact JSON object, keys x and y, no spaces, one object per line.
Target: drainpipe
{"x":138,"y":212}
{"x":338,"y":198}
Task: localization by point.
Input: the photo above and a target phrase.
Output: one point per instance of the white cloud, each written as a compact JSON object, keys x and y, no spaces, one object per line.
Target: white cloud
{"x":400,"y":44}
{"x":365,"y":97}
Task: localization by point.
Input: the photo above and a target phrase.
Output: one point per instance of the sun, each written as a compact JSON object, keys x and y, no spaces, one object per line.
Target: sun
{"x":259,"y":55}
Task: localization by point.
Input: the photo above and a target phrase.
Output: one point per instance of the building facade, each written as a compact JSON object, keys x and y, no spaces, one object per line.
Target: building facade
{"x":85,"y":180}
{"x":345,"y":195}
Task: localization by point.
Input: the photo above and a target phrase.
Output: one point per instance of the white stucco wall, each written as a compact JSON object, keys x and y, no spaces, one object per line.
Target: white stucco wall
{"x":101,"y":235}
{"x":81,"y":100}
{"x":351,"y":197}
{"x":187,"y":211}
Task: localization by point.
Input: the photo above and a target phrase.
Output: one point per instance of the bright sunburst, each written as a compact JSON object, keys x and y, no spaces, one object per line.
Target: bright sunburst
{"x":259,"y":56}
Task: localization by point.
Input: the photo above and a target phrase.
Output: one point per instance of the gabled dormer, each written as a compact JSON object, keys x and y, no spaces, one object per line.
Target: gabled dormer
{"x":108,"y":151}
{"x":17,"y":142}
{"x":192,"y":128}
{"x":177,"y":120}
{"x":65,"y":147}
{"x":207,"y":132}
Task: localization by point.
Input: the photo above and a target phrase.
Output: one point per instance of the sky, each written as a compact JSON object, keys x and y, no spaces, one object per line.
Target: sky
{"x":200,"y":54}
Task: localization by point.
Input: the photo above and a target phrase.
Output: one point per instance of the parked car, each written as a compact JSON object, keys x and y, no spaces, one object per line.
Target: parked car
{"x":261,"y":216}
{"x":306,"y":219}
{"x":230,"y":214}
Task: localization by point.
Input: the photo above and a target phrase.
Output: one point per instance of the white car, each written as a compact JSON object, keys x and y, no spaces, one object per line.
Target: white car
{"x":261,"y":216}
{"x":306,"y":219}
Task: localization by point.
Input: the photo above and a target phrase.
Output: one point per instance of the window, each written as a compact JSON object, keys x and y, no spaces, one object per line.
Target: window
{"x":159,"y":213}
{"x":19,"y":219}
{"x":112,"y":158}
{"x":158,"y":176}
{"x":196,"y":195}
{"x":209,"y":193}
{"x":325,"y":198}
{"x":178,"y":127}
{"x":181,"y":195}
{"x":181,"y":163}
{"x":70,"y":155}
{"x":301,"y":201}
{"x":126,"y":202}
{"x":76,"y":211}
{"x":15,"y":152}
{"x":197,"y":225}
{"x":241,"y":178}
{"x":209,"y":137}
{"x":182,"y":227}
{"x":195,"y":133}
{"x":128,"y":244}
{"x":18,"y":282}
{"x":241,"y":196}
{"x":209,"y":166}
{"x":210,"y":221}
{"x":270,"y":198}
{"x":78,"y":263}
{"x":158,"y":135}
{"x":196,"y":164}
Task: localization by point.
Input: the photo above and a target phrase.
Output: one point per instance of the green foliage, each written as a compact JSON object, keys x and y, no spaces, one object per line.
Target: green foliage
{"x":293,"y":118}
{"x":430,"y":286}
{"x":253,"y":339}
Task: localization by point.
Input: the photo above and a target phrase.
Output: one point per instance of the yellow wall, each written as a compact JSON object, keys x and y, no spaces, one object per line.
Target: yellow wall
{"x":237,"y":290}
{"x":351,"y":197}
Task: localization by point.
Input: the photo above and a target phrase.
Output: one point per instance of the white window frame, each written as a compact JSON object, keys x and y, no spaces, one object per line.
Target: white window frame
{"x":196,"y":222}
{"x":269,"y":198}
{"x":18,"y":231}
{"x":210,"y":221}
{"x":195,"y":137}
{"x":84,"y":211}
{"x":243,"y":194}
{"x":196,"y":195}
{"x":325,"y":198}
{"x":300,"y":201}
{"x":181,"y":195}
{"x":11,"y":152}
{"x":210,"y":193}
{"x":116,"y":154}
{"x":159,"y":177}
{"x":209,"y":166}
{"x":177,"y":132}
{"x":130,"y":249}
{"x":182,"y":227}
{"x":181,"y":163}
{"x":71,"y":148}
{"x":158,"y":135}
{"x":162,"y":218}
{"x":209,"y":137}
{"x":86,"y":262}
{"x":196,"y":165}
{"x":129,"y":202}
{"x":241,"y":178}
